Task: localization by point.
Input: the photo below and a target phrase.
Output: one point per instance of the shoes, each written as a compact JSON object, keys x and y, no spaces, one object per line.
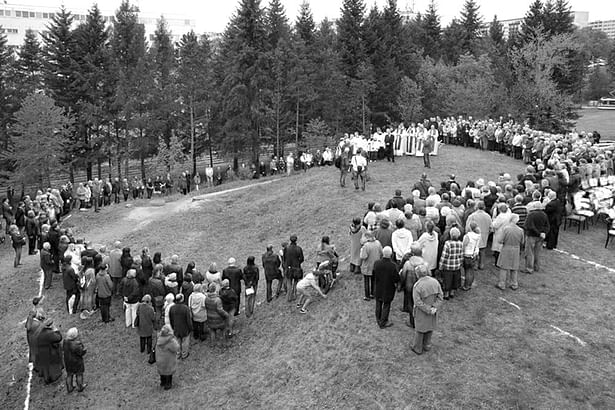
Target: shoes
{"x":418,"y":353}
{"x":500,"y":287}
{"x":514,"y":287}
{"x":387,"y":324}
{"x":82,"y":388}
{"x":299,"y":305}
{"x":302,"y":311}
{"x":446,"y":298}
{"x":366,"y":299}
{"x":465,"y":288}
{"x":529,"y":272}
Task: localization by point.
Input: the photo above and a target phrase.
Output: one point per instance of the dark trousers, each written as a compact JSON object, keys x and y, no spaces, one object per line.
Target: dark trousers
{"x":198,"y":330}
{"x":146,"y":342}
{"x":382,"y":311}
{"x":77,"y":294}
{"x":166,"y":381}
{"x":32,"y":245}
{"x":390,"y":156}
{"x":238,"y":293}
{"x":105,"y":305}
{"x":552,"y":236}
{"x":270,"y":291}
{"x":116,"y":284}
{"x":368,"y":285}
{"x":48,"y":275}
{"x":426,"y":160}
{"x":408,"y":305}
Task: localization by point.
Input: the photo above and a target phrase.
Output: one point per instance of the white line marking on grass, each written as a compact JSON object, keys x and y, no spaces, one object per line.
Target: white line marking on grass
{"x":510,"y":303}
{"x":26,"y":404}
{"x":228,"y":191}
{"x":563,"y":332}
{"x":594,"y":264}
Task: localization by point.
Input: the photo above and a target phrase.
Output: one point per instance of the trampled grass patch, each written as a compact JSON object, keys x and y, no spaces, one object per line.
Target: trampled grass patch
{"x":487,"y":354}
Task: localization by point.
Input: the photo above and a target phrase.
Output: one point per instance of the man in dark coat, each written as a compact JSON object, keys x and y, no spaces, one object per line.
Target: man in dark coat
{"x":389,"y":140}
{"x":536,"y":228}
{"x":555,"y":213}
{"x":49,"y":352}
{"x":233,"y":274}
{"x":293,"y":258}
{"x":47,"y":264}
{"x":53,"y":237}
{"x":181,"y":322}
{"x":174,"y":267}
{"x":386,"y":279}
{"x":73,"y":360}
{"x":271,"y":265}
{"x":398,"y":199}
{"x":423,"y":186}
{"x":71,"y":284}
{"x":32,"y":231}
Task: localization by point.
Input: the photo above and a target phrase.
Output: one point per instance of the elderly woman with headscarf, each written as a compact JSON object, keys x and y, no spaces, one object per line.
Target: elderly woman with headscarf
{"x":73,"y":360}
{"x":167,"y":347}
{"x":49,"y":352}
{"x":146,"y":320}
{"x":427,"y":295}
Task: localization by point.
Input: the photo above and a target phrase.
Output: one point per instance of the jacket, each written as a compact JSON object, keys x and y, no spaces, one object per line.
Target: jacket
{"x":426,"y":293}
{"x":536,"y":223}
{"x":370,"y":253}
{"x":180,"y":320}
{"x":293,"y":256}
{"x":46,"y":260}
{"x":386,"y":279}
{"x":250,"y":276}
{"x":146,"y":315}
{"x":196,"y":303}
{"x":115,"y":266}
{"x":69,"y":278}
{"x":166,"y":354}
{"x":233,"y":274}
{"x":129,"y":289}
{"x":216,"y":315}
{"x":73,"y":356}
{"x":104,"y":285}
{"x":228,"y":298}
{"x":271,"y":266}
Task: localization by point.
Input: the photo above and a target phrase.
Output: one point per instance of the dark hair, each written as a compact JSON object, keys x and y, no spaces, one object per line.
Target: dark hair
{"x":157,"y":258}
{"x":250,"y":261}
{"x":190,"y":267}
{"x":400,"y":223}
{"x":325,"y":239}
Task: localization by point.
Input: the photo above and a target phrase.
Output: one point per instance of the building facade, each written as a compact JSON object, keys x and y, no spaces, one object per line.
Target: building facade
{"x":608,"y":26}
{"x":16,"y":19}
{"x":512,"y":26}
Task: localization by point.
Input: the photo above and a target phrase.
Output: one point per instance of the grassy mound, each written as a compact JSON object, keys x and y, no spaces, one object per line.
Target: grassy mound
{"x":487,"y":354}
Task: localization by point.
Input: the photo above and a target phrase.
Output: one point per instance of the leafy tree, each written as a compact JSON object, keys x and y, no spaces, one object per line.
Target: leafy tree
{"x":471,"y":21}
{"x":473,"y":88}
{"x":317,"y":134}
{"x":563,"y":19}
{"x":598,"y":84}
{"x":409,"y":101}
{"x":434,"y":82}
{"x":40,"y":138}
{"x":350,"y":37}
{"x":535,"y":93}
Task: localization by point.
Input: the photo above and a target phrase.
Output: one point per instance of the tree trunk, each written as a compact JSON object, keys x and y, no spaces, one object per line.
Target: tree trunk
{"x":99,"y":167}
{"x":141,"y":157}
{"x":297,"y":130}
{"x":118,"y":157}
{"x":192,"y":153}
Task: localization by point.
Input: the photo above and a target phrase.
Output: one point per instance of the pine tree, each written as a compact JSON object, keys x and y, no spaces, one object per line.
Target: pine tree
{"x":350,"y":37}
{"x":93,"y":84}
{"x":241,"y":77}
{"x":59,"y":69}
{"x":305,"y":27}
{"x":533,"y":22}
{"x":8,"y":98}
{"x":471,"y":21}
{"x":453,"y":39}
{"x":40,"y":138}
{"x":432,"y":32}
{"x":563,"y":18}
{"x":496,"y":33}
{"x":164,"y":93}
{"x":29,"y":64}
{"x":194,"y":79}
{"x":277,"y":24}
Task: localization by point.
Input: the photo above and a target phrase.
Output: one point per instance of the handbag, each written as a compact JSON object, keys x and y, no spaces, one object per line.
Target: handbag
{"x":152,"y":356}
{"x":249,"y":291}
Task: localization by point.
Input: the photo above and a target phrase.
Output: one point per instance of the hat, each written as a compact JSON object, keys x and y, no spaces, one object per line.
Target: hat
{"x":146,"y":299}
{"x":179,"y":298}
{"x":387,"y":252}
{"x":225,"y":283}
{"x":72,"y":333}
{"x":231,"y":261}
{"x":166,"y":330}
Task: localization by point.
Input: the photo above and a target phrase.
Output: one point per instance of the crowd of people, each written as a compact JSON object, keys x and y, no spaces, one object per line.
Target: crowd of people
{"x":427,"y":245}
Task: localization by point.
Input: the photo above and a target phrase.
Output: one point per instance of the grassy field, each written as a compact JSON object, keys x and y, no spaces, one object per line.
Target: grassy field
{"x":487,"y":353}
{"x":599,"y":120}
